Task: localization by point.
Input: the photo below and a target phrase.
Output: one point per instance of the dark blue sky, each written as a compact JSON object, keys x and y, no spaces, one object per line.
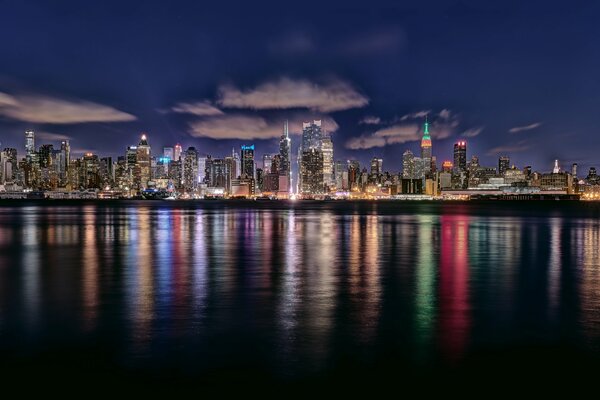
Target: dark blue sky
{"x":517,"y":78}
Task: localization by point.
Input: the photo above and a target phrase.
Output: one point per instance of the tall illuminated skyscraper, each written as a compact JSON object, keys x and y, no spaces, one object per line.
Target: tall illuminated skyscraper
{"x":267,"y":161}
{"x":143,"y":161}
{"x":285,"y":154}
{"x":376,"y":166}
{"x":308,"y":159}
{"x":327,"y":150}
{"x":248,"y":166}
{"x":65,"y":161}
{"x":177,"y":152}
{"x":190,"y":170}
{"x":311,"y":135}
{"x":30,"y":145}
{"x":426,"y":148}
{"x":460,"y":156}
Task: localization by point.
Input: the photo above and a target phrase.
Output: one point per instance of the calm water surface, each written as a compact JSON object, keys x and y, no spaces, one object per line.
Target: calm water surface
{"x":289,"y":292}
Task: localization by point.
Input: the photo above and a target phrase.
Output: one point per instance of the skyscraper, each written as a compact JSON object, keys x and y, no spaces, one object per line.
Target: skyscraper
{"x":312,"y":141}
{"x":327,"y":149}
{"x":426,"y":148}
{"x":376,"y":166}
{"x":177,"y":152}
{"x":190,"y":170}
{"x":267,"y":161}
{"x":30,"y":145}
{"x":65,"y":161}
{"x":285,"y":153}
{"x":311,"y":135}
{"x":503,"y":165}
{"x":45,"y":155}
{"x":353,"y":172}
{"x":460,"y":156}
{"x":248,"y":167}
{"x":311,"y":172}
{"x":408,"y":165}
{"x":169,"y":153}
{"x":143,"y":161}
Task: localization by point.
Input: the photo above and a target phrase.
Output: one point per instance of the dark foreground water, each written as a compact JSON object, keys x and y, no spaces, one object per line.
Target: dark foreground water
{"x":303,"y":293}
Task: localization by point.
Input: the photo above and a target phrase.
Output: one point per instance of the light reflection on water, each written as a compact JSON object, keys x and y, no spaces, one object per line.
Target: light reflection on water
{"x":298,"y":289}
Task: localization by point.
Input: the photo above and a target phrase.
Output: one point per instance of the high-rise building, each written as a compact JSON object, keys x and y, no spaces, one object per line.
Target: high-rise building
{"x":408,"y":165}
{"x":574,"y":170}
{"x":190,"y":170}
{"x":107,"y":171}
{"x":30,"y":146}
{"x":201,"y":169}
{"x":248,"y":166}
{"x":8,"y":165}
{"x":460,"y":156}
{"x":217,"y":173}
{"x":311,"y":135}
{"x":89,"y":171}
{"x":327,"y":150}
{"x":177,"y":152}
{"x":45,"y":155}
{"x":503,"y":165}
{"x":143,"y":161}
{"x":65,"y":161}
{"x":341,"y":175}
{"x":311,"y":172}
{"x":353,"y":173}
{"x":267,"y":162}
{"x":426,"y":148}
{"x":237,"y":164}
{"x":169,"y":153}
{"x":285,"y":152}
{"x":376,"y":166}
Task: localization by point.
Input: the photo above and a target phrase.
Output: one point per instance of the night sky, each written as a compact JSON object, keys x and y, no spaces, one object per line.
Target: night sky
{"x":516,"y":78}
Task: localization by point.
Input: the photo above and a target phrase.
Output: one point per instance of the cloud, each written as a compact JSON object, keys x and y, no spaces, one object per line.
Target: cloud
{"x":445,"y":114}
{"x":335,"y":95}
{"x":200,"y":108}
{"x":529,"y":127}
{"x":247,"y":127}
{"x":472,"y":132}
{"x":415,"y":115}
{"x":365,"y":142}
{"x":52,"y":136}
{"x":52,"y":110}
{"x":396,"y":134}
{"x":370,"y":120}
{"x":511,"y":148}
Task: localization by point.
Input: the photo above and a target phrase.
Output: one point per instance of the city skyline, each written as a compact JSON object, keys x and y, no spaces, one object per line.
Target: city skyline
{"x":178,"y":173}
{"x":370,"y":84}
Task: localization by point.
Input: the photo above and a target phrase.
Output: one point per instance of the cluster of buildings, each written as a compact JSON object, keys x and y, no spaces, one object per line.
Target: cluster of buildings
{"x":52,"y":172}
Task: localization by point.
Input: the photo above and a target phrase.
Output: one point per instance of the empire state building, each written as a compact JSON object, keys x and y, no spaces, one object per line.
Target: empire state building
{"x":426,"y":148}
